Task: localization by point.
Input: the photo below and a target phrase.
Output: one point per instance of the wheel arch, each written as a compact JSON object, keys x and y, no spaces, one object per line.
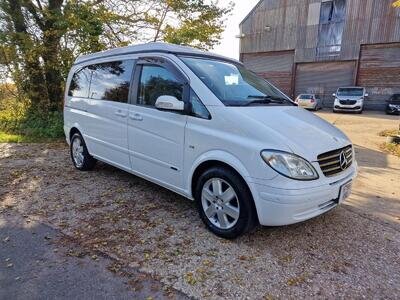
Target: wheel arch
{"x":226,"y":161}
{"x":72,"y":131}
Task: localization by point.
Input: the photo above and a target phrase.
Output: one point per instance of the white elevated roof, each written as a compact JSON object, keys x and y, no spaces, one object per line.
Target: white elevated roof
{"x":150,"y":47}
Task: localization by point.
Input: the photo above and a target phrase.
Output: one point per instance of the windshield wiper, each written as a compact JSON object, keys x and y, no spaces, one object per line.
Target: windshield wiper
{"x":263,"y":100}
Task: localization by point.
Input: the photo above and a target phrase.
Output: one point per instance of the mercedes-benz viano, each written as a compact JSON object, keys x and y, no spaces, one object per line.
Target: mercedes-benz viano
{"x":205,"y":127}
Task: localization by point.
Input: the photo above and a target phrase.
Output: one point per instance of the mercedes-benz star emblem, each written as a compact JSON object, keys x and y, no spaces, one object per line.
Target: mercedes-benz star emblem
{"x":343,"y":160}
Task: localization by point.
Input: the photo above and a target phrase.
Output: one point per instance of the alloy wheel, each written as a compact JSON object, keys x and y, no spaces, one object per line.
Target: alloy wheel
{"x":220,"y":203}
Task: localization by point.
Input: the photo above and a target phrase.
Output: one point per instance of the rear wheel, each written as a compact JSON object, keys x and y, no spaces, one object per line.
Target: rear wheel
{"x":225,"y":203}
{"x":80,"y":156}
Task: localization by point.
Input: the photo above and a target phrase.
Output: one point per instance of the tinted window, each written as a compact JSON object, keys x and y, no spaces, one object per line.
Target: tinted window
{"x":79,"y":86}
{"x":233,"y":84}
{"x":111,"y":80}
{"x":350,"y":92}
{"x":306,"y":96}
{"x":156,"y":81}
{"x":198,"y":108}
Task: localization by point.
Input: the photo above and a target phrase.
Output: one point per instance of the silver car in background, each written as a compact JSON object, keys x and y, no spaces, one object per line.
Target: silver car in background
{"x":349,"y":99}
{"x":309,"y":101}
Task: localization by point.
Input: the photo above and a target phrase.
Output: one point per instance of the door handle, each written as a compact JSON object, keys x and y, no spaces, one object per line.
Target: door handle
{"x":120,"y":113}
{"x":136,"y":117}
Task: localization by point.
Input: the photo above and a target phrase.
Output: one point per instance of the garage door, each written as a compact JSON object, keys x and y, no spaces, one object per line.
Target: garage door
{"x":379,"y":72}
{"x":324,"y":78}
{"x":274,"y":66}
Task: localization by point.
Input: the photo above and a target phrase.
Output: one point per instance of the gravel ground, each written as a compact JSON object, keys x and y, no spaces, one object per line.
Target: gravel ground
{"x":348,"y":252}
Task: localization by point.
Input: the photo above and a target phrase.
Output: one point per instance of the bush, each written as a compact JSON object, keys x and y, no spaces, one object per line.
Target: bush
{"x":17,"y":118}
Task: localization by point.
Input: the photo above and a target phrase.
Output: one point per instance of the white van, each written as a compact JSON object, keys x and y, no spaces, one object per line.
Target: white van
{"x":206,"y":128}
{"x":349,"y":99}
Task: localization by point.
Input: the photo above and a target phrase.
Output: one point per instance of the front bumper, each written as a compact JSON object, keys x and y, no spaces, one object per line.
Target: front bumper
{"x":340,"y":107}
{"x":393,"y":110}
{"x":276,"y":206}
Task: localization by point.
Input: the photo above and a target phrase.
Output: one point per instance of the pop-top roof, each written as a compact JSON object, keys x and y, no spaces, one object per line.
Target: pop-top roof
{"x":150,"y":47}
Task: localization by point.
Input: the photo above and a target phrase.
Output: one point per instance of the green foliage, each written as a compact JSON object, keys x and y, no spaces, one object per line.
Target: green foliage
{"x":18,"y":122}
{"x":39,"y":41}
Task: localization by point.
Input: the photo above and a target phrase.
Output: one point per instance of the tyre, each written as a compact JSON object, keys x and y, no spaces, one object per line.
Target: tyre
{"x":225,"y":203}
{"x":80,"y":156}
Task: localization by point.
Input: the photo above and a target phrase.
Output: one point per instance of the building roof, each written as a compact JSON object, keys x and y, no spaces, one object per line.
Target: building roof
{"x":249,"y":14}
{"x":151,"y":47}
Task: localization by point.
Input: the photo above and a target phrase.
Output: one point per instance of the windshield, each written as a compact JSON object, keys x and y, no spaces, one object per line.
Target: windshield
{"x":357,"y":92}
{"x":233,"y":84}
{"x":395,"y":98}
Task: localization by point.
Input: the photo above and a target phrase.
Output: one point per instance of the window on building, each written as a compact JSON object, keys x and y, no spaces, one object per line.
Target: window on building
{"x":111,"y":80}
{"x":331,"y":25}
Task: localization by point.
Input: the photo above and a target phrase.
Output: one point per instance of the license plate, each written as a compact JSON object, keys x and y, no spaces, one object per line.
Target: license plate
{"x":345,"y":191}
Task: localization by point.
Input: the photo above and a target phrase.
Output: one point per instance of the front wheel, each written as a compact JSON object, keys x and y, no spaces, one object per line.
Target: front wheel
{"x":225,"y":203}
{"x":80,"y":156}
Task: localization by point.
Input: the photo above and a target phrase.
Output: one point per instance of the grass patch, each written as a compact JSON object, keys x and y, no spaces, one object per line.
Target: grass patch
{"x":11,"y":138}
{"x":20,"y":124}
{"x":389,"y":132}
{"x":391,"y":148}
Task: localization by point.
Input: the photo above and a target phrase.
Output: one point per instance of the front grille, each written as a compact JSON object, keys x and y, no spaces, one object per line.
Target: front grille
{"x":331,"y":164}
{"x":348,"y":102}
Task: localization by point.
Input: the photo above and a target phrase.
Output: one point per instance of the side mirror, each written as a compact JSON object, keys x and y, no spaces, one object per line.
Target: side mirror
{"x":169,"y":103}
{"x":366,"y":95}
{"x":334,"y":94}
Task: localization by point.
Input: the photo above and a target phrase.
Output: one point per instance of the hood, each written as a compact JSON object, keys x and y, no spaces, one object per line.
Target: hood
{"x":349,"y":97}
{"x":303,"y":132}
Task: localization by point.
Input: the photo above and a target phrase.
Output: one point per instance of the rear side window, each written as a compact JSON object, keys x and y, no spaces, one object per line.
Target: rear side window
{"x":156,"y":81}
{"x":79,"y":86}
{"x":111,"y":80}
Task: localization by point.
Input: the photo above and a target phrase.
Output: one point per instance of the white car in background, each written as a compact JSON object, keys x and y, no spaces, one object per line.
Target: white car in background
{"x":206,"y":128}
{"x":309,"y":101}
{"x":350,"y":99}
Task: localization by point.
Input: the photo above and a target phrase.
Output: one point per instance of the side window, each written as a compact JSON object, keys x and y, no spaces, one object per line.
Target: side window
{"x":198,"y":108}
{"x":111,"y":80}
{"x":156,"y":81}
{"x":79,"y":86}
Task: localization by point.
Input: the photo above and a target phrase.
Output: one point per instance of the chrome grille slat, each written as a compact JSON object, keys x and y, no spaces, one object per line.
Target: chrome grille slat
{"x":329,"y":162}
{"x":329,"y":157}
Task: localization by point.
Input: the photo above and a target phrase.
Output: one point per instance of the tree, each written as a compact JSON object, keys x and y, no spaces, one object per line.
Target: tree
{"x":40,"y":39}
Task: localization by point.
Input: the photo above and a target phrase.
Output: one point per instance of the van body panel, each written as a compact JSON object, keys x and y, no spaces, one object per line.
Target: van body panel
{"x":166,"y":147}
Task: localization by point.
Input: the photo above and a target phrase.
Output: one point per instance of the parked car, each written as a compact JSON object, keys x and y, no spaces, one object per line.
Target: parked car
{"x":206,"y":128}
{"x":349,"y":99}
{"x":393,"y":105}
{"x":309,"y":101}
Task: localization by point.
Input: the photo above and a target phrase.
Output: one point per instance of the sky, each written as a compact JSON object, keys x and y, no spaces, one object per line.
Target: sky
{"x":230,"y":44}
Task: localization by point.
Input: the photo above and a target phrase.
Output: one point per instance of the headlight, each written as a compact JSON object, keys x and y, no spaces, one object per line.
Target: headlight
{"x":289,"y":165}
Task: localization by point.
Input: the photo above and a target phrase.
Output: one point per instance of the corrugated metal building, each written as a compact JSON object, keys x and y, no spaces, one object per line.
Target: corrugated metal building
{"x":315,"y":46}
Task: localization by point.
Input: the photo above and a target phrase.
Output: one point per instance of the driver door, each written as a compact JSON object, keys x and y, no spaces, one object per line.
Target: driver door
{"x":156,"y":137}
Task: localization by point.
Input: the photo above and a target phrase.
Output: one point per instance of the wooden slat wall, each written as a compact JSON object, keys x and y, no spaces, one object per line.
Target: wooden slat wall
{"x":379,"y":72}
{"x":367,"y":22}
{"x":323,"y":79}
{"x":276,"y":67}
